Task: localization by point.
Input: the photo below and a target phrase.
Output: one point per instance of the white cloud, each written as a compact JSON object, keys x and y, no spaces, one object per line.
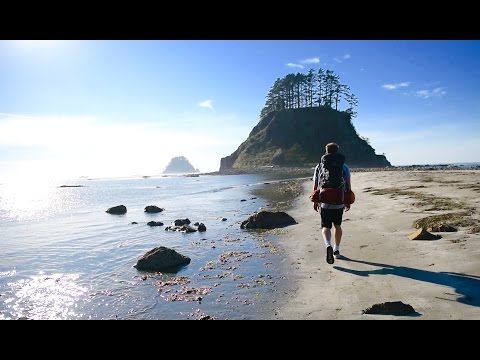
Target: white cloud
{"x":346,"y":56}
{"x":14,"y":115}
{"x":337,"y":60}
{"x":292,"y":65}
{"x":206,"y":104}
{"x":314,"y":60}
{"x":396,"y":86}
{"x":90,"y":146}
{"x":426,"y":93}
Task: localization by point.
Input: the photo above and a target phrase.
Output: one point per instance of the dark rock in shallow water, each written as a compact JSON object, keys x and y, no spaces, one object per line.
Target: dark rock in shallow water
{"x":155,"y":223}
{"x":268,"y":220}
{"x":117,"y":210}
{"x":71,"y":186}
{"x":391,"y":308}
{"x":180,"y":222}
{"x":201,"y":227}
{"x":162,"y":259}
{"x":182,"y":228}
{"x":153,"y":209}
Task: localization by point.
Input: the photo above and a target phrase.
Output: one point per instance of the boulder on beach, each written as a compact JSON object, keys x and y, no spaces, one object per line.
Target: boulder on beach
{"x":268,"y":220}
{"x":397,"y":308}
{"x":422,"y":234}
{"x":117,"y":210}
{"x":162,"y":259}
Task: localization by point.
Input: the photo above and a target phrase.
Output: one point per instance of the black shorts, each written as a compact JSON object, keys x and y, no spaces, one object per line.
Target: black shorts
{"x":331,"y":215}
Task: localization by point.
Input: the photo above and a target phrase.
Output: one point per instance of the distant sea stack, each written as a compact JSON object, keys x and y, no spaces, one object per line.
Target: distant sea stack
{"x":180,"y":165}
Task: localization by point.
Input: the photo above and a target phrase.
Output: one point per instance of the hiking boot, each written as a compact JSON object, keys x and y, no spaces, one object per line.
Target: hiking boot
{"x":336,"y":254}
{"x":330,"y":258}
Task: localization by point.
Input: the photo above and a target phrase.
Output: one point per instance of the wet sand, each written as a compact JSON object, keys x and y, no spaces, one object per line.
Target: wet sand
{"x":440,"y":278}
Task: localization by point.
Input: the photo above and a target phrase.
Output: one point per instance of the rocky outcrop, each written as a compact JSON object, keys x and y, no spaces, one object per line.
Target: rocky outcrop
{"x":155,"y":223}
{"x":117,"y":210}
{"x":162,"y":259}
{"x":297,"y":138}
{"x":268,"y":220}
{"x":152,"y":209}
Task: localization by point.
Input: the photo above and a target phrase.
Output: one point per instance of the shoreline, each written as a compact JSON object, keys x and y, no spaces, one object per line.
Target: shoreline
{"x":308,"y":171}
{"x":440,"y":278}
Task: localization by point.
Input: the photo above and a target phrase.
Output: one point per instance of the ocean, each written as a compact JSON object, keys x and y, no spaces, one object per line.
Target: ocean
{"x":63,"y":257}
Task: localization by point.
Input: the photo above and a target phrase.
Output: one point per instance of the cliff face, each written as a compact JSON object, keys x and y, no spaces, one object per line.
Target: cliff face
{"x":180,"y":165}
{"x":297,"y":138}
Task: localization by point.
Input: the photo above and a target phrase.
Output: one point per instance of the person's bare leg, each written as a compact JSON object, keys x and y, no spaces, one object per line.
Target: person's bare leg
{"x":338,"y":239}
{"x":327,"y":236}
{"x":338,"y":235}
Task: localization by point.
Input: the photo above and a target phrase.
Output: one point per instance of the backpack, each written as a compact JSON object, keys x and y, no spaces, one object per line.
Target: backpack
{"x":331,"y":170}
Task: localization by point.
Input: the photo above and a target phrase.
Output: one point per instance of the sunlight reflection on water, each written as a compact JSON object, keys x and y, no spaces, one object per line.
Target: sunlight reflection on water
{"x":45,"y":297}
{"x":33,"y":201}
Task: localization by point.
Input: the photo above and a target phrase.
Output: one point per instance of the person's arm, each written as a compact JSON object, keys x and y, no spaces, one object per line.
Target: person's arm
{"x":348,"y":183}
{"x":315,"y":178}
{"x":315,"y":184}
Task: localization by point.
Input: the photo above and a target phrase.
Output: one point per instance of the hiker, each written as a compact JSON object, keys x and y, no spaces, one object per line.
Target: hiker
{"x":332,"y":173}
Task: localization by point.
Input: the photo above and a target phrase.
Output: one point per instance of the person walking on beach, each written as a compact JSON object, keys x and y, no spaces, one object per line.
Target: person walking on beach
{"x":332,"y":172}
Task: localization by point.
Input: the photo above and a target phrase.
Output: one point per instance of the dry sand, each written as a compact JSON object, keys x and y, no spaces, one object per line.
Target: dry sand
{"x":439,"y":278}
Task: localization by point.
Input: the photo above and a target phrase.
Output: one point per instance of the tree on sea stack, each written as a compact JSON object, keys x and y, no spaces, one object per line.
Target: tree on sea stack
{"x":314,"y":89}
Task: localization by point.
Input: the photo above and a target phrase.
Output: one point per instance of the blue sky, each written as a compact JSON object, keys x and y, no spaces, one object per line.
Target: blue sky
{"x":122,"y":108}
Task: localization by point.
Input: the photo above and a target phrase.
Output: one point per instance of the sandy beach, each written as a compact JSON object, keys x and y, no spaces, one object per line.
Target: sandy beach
{"x":439,"y":278}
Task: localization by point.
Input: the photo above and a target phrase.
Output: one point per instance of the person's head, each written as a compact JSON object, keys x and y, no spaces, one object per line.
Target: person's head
{"x":331,"y":148}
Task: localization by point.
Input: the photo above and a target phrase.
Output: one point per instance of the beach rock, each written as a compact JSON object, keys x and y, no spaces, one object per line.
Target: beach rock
{"x":391,"y":308}
{"x":134,"y":223}
{"x":183,"y":228}
{"x":187,"y":229}
{"x":155,"y":223}
{"x":422,"y":234}
{"x":117,"y":210}
{"x":180,"y":222}
{"x":268,"y":220}
{"x":162,"y":259}
{"x":152,"y":209}
{"x":442,"y":228}
{"x":201,"y":227}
